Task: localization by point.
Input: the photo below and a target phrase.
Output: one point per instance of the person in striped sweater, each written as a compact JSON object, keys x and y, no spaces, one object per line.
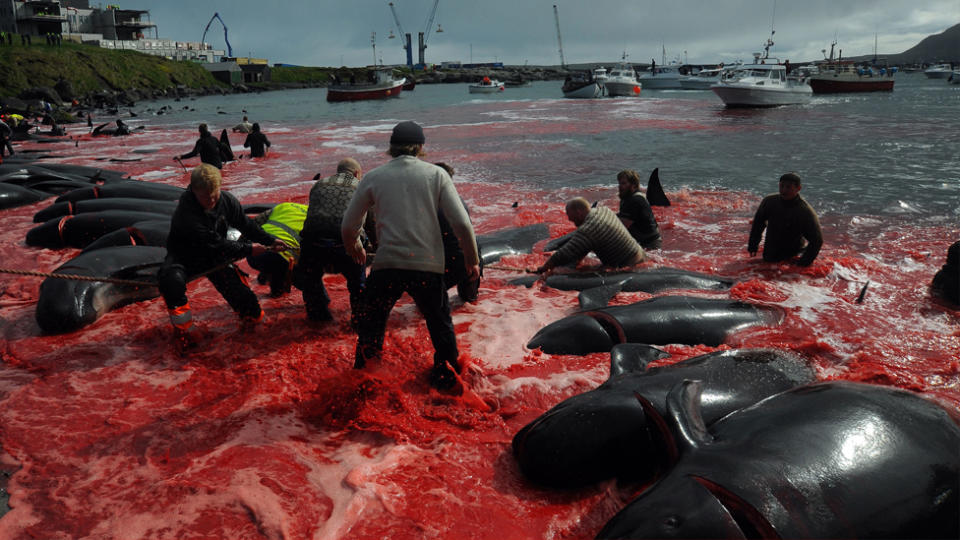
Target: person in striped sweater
{"x":598,"y":230}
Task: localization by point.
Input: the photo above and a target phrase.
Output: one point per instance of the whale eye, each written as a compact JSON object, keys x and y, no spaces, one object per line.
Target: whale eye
{"x":672,"y":522}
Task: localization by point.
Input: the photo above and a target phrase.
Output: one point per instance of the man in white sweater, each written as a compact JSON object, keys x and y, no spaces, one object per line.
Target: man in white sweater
{"x":407,"y":193}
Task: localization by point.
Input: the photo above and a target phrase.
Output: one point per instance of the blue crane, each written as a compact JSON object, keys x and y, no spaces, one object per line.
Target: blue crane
{"x":217,"y":16}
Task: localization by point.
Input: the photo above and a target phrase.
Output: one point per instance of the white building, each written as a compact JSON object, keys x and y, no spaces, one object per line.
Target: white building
{"x":110,"y":28}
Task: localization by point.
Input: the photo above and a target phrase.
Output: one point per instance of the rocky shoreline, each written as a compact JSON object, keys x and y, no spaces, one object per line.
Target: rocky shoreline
{"x":63,"y":104}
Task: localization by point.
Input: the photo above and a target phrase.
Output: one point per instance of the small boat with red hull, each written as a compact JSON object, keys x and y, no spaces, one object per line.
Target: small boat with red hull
{"x":380,"y":85}
{"x":841,"y":77}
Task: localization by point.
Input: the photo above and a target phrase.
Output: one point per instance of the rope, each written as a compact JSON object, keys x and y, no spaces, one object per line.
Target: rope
{"x":77,"y":277}
{"x":118,"y":281}
{"x":507,"y":268}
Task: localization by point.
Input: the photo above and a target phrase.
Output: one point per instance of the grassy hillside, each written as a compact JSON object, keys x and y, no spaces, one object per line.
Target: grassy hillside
{"x":91,"y":68}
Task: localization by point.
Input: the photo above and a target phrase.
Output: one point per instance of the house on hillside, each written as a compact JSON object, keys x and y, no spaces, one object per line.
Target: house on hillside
{"x":108,"y":27}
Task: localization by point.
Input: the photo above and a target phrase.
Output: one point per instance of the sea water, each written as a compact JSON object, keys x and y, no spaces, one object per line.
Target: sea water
{"x":109,"y":432}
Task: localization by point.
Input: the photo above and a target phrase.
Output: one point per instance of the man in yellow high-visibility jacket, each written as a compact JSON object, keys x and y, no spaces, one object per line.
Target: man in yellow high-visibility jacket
{"x":284,"y":221}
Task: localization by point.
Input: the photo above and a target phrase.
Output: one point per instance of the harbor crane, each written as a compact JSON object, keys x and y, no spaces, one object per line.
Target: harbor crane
{"x":217,"y":16}
{"x":556,"y":17}
{"x":405,"y":38}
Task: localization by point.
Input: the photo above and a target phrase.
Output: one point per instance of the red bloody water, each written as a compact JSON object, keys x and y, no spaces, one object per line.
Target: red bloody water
{"x":113,"y":434}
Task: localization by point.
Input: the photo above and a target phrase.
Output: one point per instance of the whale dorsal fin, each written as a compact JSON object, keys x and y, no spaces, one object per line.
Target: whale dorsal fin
{"x":686,"y":421}
{"x":655,"y":194}
{"x":633,"y":358}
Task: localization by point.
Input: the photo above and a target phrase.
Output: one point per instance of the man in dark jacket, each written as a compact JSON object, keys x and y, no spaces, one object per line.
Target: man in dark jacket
{"x":198,"y":243}
{"x":635,"y":212}
{"x":789,"y":220}
{"x":256,"y":141}
{"x":208,"y":147}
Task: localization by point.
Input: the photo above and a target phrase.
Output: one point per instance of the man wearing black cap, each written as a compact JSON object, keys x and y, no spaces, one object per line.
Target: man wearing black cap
{"x":407,"y":194}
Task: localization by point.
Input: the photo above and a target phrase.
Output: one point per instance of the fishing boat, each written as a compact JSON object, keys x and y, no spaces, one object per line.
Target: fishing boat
{"x":486,"y":86}
{"x":939,"y":71}
{"x":705,"y":78}
{"x":581,"y":85}
{"x":762,"y":84}
{"x":837,"y":76}
{"x":380,"y":84}
{"x":661,"y":77}
{"x":622,"y":80}
{"x":847,"y":77}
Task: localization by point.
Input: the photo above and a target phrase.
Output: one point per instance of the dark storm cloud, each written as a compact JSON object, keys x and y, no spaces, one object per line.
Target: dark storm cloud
{"x":335,"y":32}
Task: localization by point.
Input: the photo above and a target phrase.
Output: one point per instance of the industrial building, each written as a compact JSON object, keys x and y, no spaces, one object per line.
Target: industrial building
{"x":109,"y":27}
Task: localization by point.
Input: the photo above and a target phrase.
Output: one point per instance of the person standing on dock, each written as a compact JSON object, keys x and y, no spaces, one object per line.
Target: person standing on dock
{"x":407,"y":193}
{"x":793,"y":229}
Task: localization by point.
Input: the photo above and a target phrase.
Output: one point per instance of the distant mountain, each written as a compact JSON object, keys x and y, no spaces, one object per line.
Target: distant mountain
{"x":935,"y":49}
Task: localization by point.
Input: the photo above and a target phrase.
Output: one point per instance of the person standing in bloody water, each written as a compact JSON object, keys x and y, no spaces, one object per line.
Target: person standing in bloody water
{"x":209,"y":148}
{"x":257,"y":142}
{"x":407,"y":193}
{"x":792,"y":227}
{"x":198,"y":243}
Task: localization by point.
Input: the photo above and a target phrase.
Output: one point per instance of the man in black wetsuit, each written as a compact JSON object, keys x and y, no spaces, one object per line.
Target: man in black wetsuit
{"x":256,"y":141}
{"x":789,"y":221}
{"x":198,"y":243}
{"x":208,"y":147}
{"x":635,"y":212}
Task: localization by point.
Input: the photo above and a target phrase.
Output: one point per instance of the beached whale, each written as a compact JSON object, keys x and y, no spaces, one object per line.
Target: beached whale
{"x":127,"y":188}
{"x":828,"y":460}
{"x":80,"y":230}
{"x":515,"y":241}
{"x":72,"y":208}
{"x":12,"y":195}
{"x":606,"y":433}
{"x":66,"y":305}
{"x":142,"y":233}
{"x":597,"y":288}
{"x":685,"y":320}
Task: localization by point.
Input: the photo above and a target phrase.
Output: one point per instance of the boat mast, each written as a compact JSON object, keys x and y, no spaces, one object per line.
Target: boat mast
{"x":556,"y":17}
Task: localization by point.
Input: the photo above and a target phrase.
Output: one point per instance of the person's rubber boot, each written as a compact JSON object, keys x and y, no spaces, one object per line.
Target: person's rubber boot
{"x":249,"y":324}
{"x":182,"y":320}
{"x":444,"y":376}
{"x":319,"y":315}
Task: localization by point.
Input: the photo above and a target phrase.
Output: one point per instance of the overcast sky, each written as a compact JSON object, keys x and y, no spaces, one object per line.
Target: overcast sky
{"x":338,"y":32}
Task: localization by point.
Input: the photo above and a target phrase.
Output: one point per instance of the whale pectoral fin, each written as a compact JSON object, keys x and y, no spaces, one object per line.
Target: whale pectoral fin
{"x":557,"y":243}
{"x":633,"y":358}
{"x":683,"y":408}
{"x":598,"y":297}
{"x":655,"y":194}
{"x":526,"y":281}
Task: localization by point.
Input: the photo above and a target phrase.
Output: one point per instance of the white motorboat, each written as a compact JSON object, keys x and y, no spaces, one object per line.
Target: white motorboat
{"x":486,"y":86}
{"x":582,"y":85}
{"x":661,"y":77}
{"x":764,"y":83}
{"x":703,"y":80}
{"x":622,"y":80}
{"x":939,"y":71}
{"x":761,"y":85}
